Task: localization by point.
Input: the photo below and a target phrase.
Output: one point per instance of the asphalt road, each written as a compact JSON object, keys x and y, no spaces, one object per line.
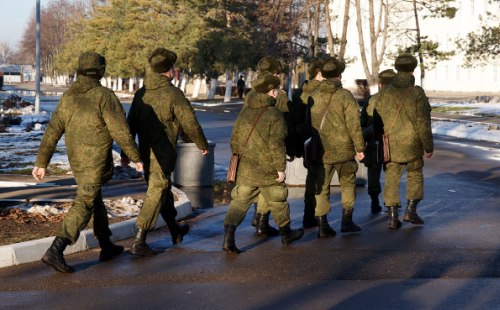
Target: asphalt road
{"x":452,"y":262}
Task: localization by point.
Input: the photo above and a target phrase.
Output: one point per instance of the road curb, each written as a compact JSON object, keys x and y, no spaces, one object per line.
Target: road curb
{"x":31,"y":251}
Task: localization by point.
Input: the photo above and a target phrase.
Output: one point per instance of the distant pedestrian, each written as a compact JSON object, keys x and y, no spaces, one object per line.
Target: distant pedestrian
{"x":241,"y":87}
{"x":91,"y":117}
{"x":335,"y":118}
{"x":373,"y":160}
{"x":405,"y":116}
{"x":157,"y":112}
{"x":259,"y":138}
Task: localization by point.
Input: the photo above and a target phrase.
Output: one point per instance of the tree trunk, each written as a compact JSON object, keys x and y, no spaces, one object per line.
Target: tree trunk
{"x":196,"y":88}
{"x":343,"y":41}
{"x":184,"y":81}
{"x":229,"y":86}
{"x":329,"y":32}
{"x":213,"y":88}
{"x":419,"y":45}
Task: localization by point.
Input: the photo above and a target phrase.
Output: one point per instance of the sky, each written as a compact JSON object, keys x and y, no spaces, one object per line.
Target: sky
{"x":14,"y":16}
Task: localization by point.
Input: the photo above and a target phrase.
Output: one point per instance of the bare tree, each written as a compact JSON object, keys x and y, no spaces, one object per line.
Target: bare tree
{"x":378,"y":27}
{"x":7,"y":54}
{"x":345,"y":25}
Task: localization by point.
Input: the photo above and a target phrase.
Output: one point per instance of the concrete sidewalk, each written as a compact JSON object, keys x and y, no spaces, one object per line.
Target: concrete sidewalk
{"x":17,"y":189}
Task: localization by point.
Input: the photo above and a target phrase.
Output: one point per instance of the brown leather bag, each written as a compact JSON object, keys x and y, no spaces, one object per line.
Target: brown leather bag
{"x":233,"y":167}
{"x":232,"y":170}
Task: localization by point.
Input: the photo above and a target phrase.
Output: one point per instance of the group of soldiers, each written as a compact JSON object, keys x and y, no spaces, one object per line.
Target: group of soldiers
{"x":91,"y":118}
{"x":269,"y":127}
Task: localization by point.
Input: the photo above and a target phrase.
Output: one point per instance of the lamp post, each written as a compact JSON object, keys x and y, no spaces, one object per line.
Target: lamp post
{"x":37,"y":76}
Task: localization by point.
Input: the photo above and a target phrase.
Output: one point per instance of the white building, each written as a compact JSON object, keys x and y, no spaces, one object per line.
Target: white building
{"x":449,"y":75}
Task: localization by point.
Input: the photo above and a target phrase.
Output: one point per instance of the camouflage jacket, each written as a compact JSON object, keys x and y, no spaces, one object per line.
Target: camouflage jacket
{"x":341,"y":134}
{"x":264,"y":154}
{"x":91,"y":117}
{"x":412,"y":132}
{"x":157,"y":111}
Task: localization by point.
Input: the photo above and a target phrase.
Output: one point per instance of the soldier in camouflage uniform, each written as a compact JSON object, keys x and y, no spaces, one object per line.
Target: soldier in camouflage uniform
{"x":372,"y":155}
{"x":91,"y":117}
{"x":309,"y":89}
{"x":335,"y":118}
{"x":262,"y":164}
{"x":157,"y":112}
{"x":270,"y":65}
{"x":404,"y":112}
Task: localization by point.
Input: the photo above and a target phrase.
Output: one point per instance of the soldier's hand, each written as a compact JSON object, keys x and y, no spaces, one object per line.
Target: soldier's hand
{"x":428,"y":155}
{"x":139,"y":166}
{"x":281,"y":176}
{"x":124,"y":161}
{"x":360,"y":156}
{"x":38,"y":173}
{"x":204,"y":152}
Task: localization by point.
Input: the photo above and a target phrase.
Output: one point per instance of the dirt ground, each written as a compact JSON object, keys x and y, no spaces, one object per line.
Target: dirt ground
{"x":17,"y":226}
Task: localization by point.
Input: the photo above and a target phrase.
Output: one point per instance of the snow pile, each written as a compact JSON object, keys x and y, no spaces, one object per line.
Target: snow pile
{"x":125,"y":207}
{"x":47,"y":210}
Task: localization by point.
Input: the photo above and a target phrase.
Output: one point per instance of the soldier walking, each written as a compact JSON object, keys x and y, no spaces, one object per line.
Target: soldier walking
{"x":373,"y":160}
{"x":259,"y":138}
{"x":158,"y":111}
{"x":335,"y":118}
{"x":91,"y":117}
{"x":309,"y":89}
{"x":405,"y":115}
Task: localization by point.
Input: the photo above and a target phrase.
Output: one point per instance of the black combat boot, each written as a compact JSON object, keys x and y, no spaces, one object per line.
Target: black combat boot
{"x":177,"y":231}
{"x":394,"y":222}
{"x":54,"y":256}
{"x":375,"y":206}
{"x":411,"y":213}
{"x":255,"y":219}
{"x":324,"y":228}
{"x":289,"y":235}
{"x":263,"y":227}
{"x":347,"y":223}
{"x":140,"y":247}
{"x":309,"y":220}
{"x":109,"y":250}
{"x":229,"y":244}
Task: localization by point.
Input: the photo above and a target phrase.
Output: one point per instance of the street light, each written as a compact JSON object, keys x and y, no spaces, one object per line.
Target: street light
{"x":37,"y":75}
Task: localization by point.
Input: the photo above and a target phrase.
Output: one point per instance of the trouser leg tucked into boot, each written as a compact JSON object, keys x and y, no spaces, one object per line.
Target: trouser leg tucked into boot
{"x":347,"y":223}
{"x":109,"y":250}
{"x":324,"y":228}
{"x":309,"y":220}
{"x":263,"y":227}
{"x":411,"y":213}
{"x":54,"y":256}
{"x":255,"y":219}
{"x":394,"y":222}
{"x":375,"y":206}
{"x":139,"y":246}
{"x":229,"y":244}
{"x":289,"y":235}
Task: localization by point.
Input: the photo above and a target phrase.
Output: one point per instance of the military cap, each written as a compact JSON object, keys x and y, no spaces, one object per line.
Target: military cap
{"x":405,"y":63}
{"x":332,"y":67}
{"x":91,"y":64}
{"x":266,"y":82}
{"x":386,"y":76}
{"x":269,"y":64}
{"x":161,"y":60}
{"x":314,"y":67}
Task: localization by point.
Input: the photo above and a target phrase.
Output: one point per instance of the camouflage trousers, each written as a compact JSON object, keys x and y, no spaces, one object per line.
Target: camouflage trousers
{"x":88,"y":203}
{"x":273,"y":199}
{"x":323,"y":174}
{"x":414,"y":181}
{"x":159,"y":197}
